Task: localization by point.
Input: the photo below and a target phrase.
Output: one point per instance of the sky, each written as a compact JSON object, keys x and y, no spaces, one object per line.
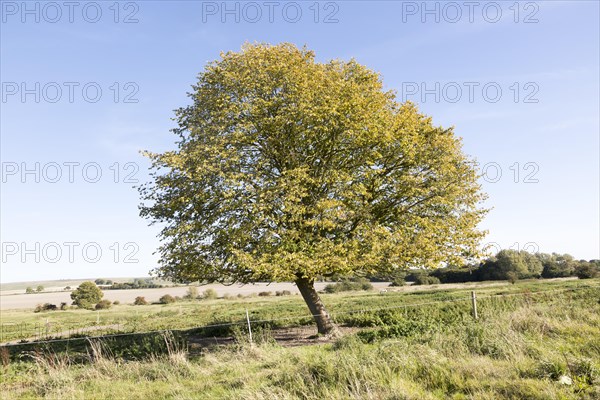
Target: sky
{"x":87,"y":85}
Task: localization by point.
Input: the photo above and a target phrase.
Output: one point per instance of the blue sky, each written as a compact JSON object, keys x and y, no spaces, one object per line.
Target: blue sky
{"x":519,"y":83}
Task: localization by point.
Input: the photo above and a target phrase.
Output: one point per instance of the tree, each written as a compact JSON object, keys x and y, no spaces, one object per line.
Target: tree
{"x":39,"y":289}
{"x":287,"y":169}
{"x":587,"y":270}
{"x":557,"y":265}
{"x":29,"y":290}
{"x":521,"y":263}
{"x":87,"y":295}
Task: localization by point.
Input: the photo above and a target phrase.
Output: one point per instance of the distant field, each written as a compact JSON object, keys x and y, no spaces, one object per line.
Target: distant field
{"x":57,"y":284}
{"x":12,"y":300}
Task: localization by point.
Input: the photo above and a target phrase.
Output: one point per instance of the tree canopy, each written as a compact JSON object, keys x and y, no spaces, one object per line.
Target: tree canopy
{"x":287,"y":169}
{"x":86,"y":295}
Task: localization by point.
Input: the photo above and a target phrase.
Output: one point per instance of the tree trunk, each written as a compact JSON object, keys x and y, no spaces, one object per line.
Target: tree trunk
{"x":325,"y":325}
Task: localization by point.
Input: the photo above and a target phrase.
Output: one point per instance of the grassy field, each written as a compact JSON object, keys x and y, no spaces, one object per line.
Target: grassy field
{"x":418,"y":345}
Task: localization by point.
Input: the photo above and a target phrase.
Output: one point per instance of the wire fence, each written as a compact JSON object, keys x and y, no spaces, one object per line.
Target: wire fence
{"x":50,"y":333}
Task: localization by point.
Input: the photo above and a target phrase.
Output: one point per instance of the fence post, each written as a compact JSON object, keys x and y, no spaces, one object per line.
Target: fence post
{"x":249,"y":328}
{"x":474,"y":302}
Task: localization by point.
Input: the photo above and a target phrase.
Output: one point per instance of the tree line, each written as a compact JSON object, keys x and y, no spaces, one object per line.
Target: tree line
{"x":510,"y":265}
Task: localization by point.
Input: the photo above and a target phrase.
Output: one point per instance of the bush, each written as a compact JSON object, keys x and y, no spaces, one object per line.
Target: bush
{"x":346,"y":286}
{"x":167,"y":299}
{"x":283,"y":293}
{"x":63,"y":306}
{"x":39,"y":289}
{"x":29,"y":290}
{"x":67,"y":288}
{"x":103,"y":305}
{"x":140,"y":301}
{"x":45,"y":307}
{"x":586,"y":271}
{"x":264,"y":294}
{"x":512,"y":277}
{"x":192,"y":293}
{"x":398,"y":282}
{"x":210,"y":294}
{"x":116,"y":302}
{"x":426,"y":280}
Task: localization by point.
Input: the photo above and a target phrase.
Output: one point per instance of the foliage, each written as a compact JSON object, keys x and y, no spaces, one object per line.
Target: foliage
{"x":398,"y":282}
{"x":289,"y":167}
{"x":423,"y":279}
{"x":45,"y":307}
{"x":167,"y":299}
{"x":587,"y":270}
{"x":29,"y":290}
{"x":209,"y":294}
{"x":192,"y":293}
{"x":283,"y":293}
{"x":512,"y":277}
{"x":103,"y":305}
{"x":39,"y":289}
{"x":140,"y":301}
{"x":522,"y":263}
{"x":348,"y":285}
{"x":86,"y":295}
{"x":136,"y":284}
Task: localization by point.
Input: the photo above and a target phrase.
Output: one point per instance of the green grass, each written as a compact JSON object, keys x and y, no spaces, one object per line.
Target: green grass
{"x":284,"y":311}
{"x":518,"y":349}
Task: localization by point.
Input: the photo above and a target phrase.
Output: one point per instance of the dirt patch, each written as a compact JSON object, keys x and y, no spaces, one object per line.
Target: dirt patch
{"x":286,"y":337}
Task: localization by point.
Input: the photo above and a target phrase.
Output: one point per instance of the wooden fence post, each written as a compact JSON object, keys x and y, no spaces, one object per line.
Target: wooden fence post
{"x":474,"y":302}
{"x":249,"y":328}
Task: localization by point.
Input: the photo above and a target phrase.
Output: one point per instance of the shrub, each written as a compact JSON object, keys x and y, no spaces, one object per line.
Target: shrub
{"x":283,"y":293}
{"x":140,"y":301}
{"x":29,"y":290}
{"x":586,"y":271}
{"x":103,"y":305}
{"x":63,"y":306}
{"x":39,"y":289}
{"x":192,"y":293}
{"x":67,"y":288}
{"x":512,"y":277}
{"x":264,"y":294}
{"x":423,"y":279}
{"x":45,"y":307}
{"x":167,"y":299}
{"x":209,"y":294}
{"x":346,"y":286}
{"x":116,"y":302}
{"x":398,"y":282}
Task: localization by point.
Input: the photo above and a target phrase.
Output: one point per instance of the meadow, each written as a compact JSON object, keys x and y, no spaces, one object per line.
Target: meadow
{"x":534,"y":339}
